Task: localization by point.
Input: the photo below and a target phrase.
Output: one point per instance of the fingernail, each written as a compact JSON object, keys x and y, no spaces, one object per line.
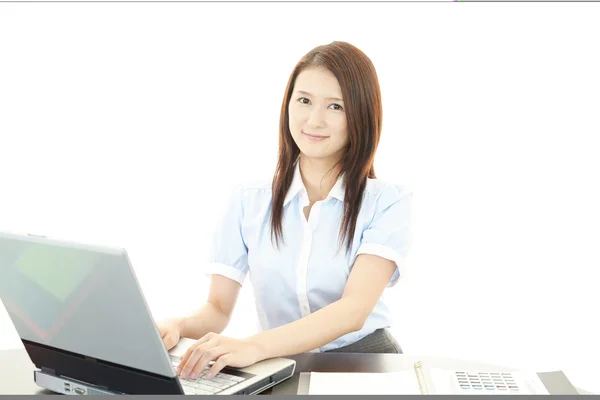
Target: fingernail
{"x":209,"y":375}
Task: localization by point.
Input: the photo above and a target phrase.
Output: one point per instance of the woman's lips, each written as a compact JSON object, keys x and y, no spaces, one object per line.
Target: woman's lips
{"x":314,"y":137}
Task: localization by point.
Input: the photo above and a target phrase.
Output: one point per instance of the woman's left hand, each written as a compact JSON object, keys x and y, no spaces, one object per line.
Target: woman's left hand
{"x":223,"y":350}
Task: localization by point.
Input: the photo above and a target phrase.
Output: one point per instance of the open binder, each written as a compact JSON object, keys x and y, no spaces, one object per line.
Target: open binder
{"x":424,"y":380}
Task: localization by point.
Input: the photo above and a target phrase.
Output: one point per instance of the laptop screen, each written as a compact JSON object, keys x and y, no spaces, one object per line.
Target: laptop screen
{"x":81,"y":299}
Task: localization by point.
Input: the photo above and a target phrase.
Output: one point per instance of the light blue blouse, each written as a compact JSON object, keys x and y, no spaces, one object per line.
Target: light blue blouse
{"x":307,"y":272}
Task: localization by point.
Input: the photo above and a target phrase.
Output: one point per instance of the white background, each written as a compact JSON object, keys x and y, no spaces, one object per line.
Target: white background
{"x":124,"y":124}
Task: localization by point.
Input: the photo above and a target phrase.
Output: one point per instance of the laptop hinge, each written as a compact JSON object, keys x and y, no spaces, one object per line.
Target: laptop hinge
{"x":48,"y":371}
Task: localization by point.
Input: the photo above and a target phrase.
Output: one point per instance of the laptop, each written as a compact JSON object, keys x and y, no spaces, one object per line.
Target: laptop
{"x":83,"y":319}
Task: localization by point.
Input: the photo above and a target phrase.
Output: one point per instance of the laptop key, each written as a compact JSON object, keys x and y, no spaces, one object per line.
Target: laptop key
{"x":189,"y":389}
{"x":199,"y":386}
{"x":209,"y":382}
{"x":200,"y":383}
{"x":222,"y":381}
{"x":200,"y":391}
{"x":207,"y":388}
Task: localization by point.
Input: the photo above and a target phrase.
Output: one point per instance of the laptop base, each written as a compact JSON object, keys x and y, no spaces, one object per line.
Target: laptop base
{"x":66,"y":386}
{"x":82,"y":369}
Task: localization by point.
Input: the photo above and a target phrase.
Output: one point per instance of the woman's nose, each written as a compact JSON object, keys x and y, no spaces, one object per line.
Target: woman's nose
{"x":315,"y":119}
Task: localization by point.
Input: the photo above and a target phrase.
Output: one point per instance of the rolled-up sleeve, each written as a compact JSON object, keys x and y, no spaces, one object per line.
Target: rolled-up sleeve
{"x":228,"y":254}
{"x":389,"y":234}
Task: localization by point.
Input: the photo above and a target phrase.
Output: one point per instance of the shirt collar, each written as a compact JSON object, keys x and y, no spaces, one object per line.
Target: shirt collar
{"x":337,"y":191}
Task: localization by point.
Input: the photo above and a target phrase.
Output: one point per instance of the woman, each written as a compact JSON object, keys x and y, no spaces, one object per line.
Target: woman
{"x":321,"y":241}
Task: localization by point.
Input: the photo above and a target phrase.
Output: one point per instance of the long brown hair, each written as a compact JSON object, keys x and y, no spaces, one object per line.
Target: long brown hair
{"x":362,"y":98}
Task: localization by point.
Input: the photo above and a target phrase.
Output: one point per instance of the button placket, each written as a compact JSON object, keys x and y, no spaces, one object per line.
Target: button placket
{"x":302,"y":267}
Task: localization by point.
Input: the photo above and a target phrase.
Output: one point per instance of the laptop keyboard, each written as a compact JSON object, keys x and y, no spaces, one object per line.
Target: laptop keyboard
{"x":214,"y":385}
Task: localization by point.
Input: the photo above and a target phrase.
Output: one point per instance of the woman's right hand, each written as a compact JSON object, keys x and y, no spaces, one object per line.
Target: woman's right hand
{"x":170,"y":331}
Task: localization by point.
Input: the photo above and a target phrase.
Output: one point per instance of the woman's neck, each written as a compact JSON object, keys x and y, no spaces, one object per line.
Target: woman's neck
{"x":319,"y":176}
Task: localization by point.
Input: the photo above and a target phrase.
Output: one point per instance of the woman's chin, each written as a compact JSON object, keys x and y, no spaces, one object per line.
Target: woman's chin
{"x":314,"y":155}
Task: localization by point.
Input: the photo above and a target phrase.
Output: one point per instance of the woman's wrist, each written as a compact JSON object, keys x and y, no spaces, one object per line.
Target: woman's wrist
{"x":181,"y":324}
{"x":261,"y":346}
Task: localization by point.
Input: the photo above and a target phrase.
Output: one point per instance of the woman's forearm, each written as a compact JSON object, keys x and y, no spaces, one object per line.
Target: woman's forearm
{"x":207,"y":319}
{"x":310,"y":332}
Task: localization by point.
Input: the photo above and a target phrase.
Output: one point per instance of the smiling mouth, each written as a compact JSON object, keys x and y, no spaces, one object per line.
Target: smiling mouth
{"x":314,"y":137}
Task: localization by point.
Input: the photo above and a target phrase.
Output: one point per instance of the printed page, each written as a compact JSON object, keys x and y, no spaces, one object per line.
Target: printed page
{"x":486,"y":382}
{"x":402,"y":382}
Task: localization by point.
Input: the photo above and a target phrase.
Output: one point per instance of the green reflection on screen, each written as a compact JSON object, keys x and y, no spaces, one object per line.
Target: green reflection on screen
{"x":57,"y":270}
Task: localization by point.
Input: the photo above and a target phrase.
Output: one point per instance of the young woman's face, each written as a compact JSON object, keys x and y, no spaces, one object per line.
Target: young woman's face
{"x":317,"y":115}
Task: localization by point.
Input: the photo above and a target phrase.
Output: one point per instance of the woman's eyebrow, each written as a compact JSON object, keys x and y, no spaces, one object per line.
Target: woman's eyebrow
{"x":327,"y":98}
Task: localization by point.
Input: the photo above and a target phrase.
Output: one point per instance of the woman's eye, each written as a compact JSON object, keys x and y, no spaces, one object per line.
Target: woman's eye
{"x":304,"y":100}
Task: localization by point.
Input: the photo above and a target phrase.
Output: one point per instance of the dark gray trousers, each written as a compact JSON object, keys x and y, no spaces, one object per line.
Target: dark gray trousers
{"x":380,"y":341}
